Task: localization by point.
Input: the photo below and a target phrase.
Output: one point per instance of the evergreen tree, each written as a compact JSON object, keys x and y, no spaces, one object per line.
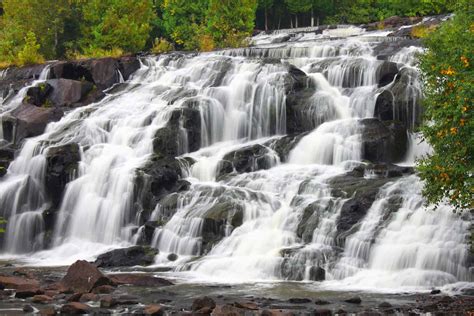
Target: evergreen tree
{"x":265,"y":5}
{"x":298,"y":6}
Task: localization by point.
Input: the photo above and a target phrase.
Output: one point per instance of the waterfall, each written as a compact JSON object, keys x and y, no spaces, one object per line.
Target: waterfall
{"x":285,"y":170}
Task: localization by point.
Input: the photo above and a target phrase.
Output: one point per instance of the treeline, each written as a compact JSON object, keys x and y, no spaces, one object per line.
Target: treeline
{"x":34,"y":30}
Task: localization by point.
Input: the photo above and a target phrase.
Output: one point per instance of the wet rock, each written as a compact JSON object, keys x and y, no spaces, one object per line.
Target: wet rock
{"x":103,"y":289}
{"x":76,"y":297}
{"x":128,"y":65}
{"x":27,"y":291}
{"x":203,"y":302}
{"x":89,"y":297}
{"x":61,"y":167}
{"x":386,"y":49}
{"x":107,"y":301}
{"x":181,"y":134}
{"x":126,"y":299}
{"x":299,"y":300}
{"x":16,"y":78}
{"x":13,"y":282}
{"x":322,"y":312}
{"x":384,"y":106}
{"x":434,"y":292}
{"x":317,"y":274}
{"x":28,"y":308}
{"x":247,"y":159}
{"x":246,"y":305}
{"x":321,"y":302}
{"x":41,"y":299}
{"x":276,"y":312}
{"x":84,"y":277}
{"x":38,"y":94}
{"x":154,"y":309}
{"x":386,"y":72}
{"x":353,"y":300}
{"x":383,"y":142}
{"x":75,"y":308}
{"x":172,"y":257}
{"x":47,"y":311}
{"x":139,"y":279}
{"x":27,"y":121}
{"x":127,"y":257}
{"x":227,"y":310}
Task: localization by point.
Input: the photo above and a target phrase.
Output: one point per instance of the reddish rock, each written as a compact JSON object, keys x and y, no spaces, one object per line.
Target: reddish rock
{"x":47,"y":311}
{"x":82,"y":277}
{"x":246,"y":305}
{"x":41,"y":299}
{"x":23,"y":272}
{"x":75,"y":308}
{"x":138,"y":279}
{"x":14,"y":282}
{"x":322,"y":312}
{"x":154,"y":309}
{"x":26,"y":291}
{"x":203,"y":302}
{"x":74,"y":297}
{"x":89,"y":297}
{"x":107,"y":301}
{"x":276,"y":312}
{"x":103,"y":289}
{"x":227,"y":310}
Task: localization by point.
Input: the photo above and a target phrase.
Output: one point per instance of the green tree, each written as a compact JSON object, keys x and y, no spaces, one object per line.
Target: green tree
{"x":447,"y":69}
{"x":229,"y":22}
{"x":298,"y":6}
{"x":29,"y":54}
{"x":109,"y":24}
{"x":184,"y":20}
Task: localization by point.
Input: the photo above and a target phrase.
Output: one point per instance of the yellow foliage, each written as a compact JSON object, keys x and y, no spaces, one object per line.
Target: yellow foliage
{"x":421,"y":31}
{"x":161,"y":45}
{"x":95,"y":53}
{"x":206,"y":43}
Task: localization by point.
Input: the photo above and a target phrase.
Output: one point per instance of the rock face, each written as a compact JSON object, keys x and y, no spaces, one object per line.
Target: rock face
{"x":383,"y":142}
{"x":62,"y":163}
{"x":139,"y":280}
{"x":83,"y":277}
{"x":27,"y":121}
{"x":127,"y":257}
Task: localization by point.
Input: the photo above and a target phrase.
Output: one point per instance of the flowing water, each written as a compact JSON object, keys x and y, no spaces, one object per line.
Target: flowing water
{"x":243,"y":226}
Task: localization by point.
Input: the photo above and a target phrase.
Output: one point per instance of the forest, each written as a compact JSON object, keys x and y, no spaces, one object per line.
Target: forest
{"x":32,"y":31}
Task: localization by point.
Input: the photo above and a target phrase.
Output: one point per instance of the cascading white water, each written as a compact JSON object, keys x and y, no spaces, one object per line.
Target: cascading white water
{"x":276,"y":218}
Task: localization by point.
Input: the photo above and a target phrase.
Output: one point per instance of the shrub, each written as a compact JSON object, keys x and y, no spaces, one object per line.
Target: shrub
{"x":161,"y":45}
{"x":206,"y":43}
{"x":29,"y":54}
{"x":95,"y":52}
{"x":422,"y":31}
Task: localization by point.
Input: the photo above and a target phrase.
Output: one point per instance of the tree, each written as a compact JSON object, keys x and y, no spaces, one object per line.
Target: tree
{"x":109,"y":24}
{"x":298,"y":6}
{"x":447,"y":69}
{"x":265,"y":5}
{"x":229,"y":22}
{"x":184,"y":20}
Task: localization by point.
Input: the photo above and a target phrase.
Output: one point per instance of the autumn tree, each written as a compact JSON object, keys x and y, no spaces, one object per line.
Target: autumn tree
{"x":448,"y":73}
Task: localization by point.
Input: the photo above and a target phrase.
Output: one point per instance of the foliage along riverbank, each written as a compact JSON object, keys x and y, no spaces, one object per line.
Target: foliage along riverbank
{"x":32,"y":31}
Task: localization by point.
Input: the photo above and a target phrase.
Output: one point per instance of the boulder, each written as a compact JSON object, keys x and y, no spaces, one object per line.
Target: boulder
{"x":384,"y":106}
{"x":75,"y":308}
{"x":69,"y":93}
{"x":127,"y":257}
{"x":247,"y":159}
{"x":41,"y":299}
{"x":103,"y":289}
{"x":322,"y":312}
{"x":38,"y":94}
{"x":203,"y":302}
{"x":89,"y":297}
{"x":353,"y":300}
{"x":61,"y":167}
{"x":154,"y":310}
{"x":386,"y":72}
{"x":139,"y":280}
{"x":383,"y":142}
{"x":181,"y":134}
{"x":82,"y":277}
{"x":16,"y":78}
{"x":27,"y":121}
{"x":27,"y":291}
{"x":317,"y":274}
{"x":14,"y":282}
{"x":128,"y":65}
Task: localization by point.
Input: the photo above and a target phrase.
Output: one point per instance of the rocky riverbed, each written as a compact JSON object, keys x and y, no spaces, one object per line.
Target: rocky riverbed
{"x":84,"y":289}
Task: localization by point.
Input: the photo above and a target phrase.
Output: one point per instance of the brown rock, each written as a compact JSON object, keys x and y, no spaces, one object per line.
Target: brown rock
{"x":227,"y":310}
{"x":154,"y":309}
{"x":322,"y":312}
{"x":75,"y":308}
{"x":27,"y":291}
{"x":246,"y":305}
{"x":74,"y":297}
{"x":203,"y":302}
{"x":89,"y":297}
{"x":107,"y":301}
{"x":47,"y":311}
{"x":82,"y":277}
{"x":138,"y":279}
{"x":13,"y":282}
{"x":41,"y":299}
{"x":203,"y":311}
{"x":23,"y":272}
{"x":276,"y":312}
{"x":103,"y":289}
